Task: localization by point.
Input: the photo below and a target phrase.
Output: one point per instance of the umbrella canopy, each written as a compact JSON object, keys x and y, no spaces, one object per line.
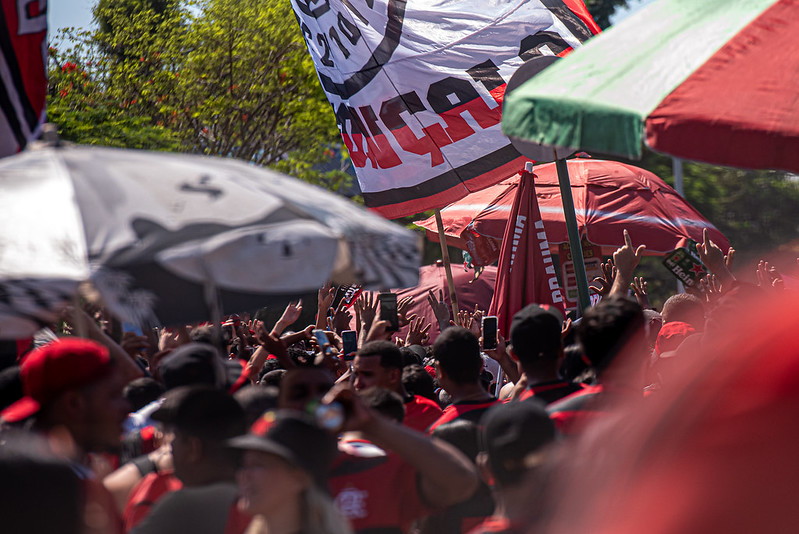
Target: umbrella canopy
{"x":471,"y":292}
{"x":710,"y":80}
{"x":159,"y":234}
{"x":608,"y":197}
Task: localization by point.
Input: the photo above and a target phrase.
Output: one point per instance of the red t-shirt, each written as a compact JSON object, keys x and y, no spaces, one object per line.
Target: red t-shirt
{"x":471,"y":410}
{"x":549,"y":392}
{"x":375,"y":489}
{"x":572,"y":413}
{"x":420,"y":413}
{"x":146,"y":493}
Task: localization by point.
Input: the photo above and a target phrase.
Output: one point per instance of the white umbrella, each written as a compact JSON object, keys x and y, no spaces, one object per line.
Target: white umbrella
{"x":165,"y":236}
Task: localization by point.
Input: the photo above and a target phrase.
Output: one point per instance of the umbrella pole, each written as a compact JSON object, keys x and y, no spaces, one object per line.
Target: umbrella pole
{"x":584,"y":301}
{"x":442,"y":240}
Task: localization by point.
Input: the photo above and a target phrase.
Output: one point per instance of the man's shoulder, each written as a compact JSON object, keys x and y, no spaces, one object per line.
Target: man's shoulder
{"x":423,"y":404}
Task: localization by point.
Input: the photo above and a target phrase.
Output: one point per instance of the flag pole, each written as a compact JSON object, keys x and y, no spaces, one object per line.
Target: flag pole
{"x":583,"y":300}
{"x":442,"y":240}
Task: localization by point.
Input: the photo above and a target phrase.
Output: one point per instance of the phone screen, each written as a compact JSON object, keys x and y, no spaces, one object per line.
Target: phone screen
{"x":321,"y":338}
{"x":388,"y":310}
{"x":350,"y":339}
{"x":489,"y":333}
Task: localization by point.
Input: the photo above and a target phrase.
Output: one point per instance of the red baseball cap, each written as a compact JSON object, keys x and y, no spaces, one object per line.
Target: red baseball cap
{"x":59,"y":366}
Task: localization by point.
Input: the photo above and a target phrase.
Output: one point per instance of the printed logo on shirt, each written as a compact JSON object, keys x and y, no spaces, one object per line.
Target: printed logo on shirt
{"x":351,"y":502}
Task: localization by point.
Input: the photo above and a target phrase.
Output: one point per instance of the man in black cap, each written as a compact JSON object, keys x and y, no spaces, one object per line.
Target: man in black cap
{"x":535,"y":336}
{"x":514,"y":453}
{"x":203,"y":419}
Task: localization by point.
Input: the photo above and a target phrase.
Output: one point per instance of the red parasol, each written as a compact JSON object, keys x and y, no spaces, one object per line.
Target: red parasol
{"x":470,"y":292}
{"x":608,"y":197}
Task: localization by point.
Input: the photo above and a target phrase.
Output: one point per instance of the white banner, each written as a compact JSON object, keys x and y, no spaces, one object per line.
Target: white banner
{"x":417,"y":87}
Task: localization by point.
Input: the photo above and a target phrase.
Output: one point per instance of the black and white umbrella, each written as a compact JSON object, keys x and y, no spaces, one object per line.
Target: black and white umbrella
{"x":165,"y":236}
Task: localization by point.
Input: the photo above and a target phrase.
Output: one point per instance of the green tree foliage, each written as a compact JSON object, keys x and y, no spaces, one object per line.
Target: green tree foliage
{"x":602,"y":10}
{"x":216,"y":77}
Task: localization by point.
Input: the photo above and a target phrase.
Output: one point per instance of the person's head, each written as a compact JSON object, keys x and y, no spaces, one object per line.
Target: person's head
{"x":684,"y":308}
{"x":273,"y":378}
{"x":142,"y":391}
{"x":461,"y":433}
{"x":419,"y":382}
{"x":284,"y":468}
{"x":414,"y":354}
{"x":255,"y":400}
{"x":514,"y":438}
{"x":535,"y":335}
{"x":378,"y":363}
{"x":458,"y":360}
{"x":202,"y":418}
{"x":193,"y":364}
{"x":73,"y":384}
{"x":29,"y":477}
{"x":385,"y":402}
{"x":612,"y":326}
{"x":302,"y":385}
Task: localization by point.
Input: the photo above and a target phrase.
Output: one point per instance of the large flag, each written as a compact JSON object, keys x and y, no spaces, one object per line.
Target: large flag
{"x":417,"y":87}
{"x":526,"y":274}
{"x":23,"y":72}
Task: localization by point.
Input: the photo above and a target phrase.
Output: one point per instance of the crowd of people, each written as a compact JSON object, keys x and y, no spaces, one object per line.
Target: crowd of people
{"x":565,"y":426}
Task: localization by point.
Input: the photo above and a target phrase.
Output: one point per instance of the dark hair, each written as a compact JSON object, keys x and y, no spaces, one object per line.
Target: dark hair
{"x":409,"y":357}
{"x":457,"y":351}
{"x":273,"y":378}
{"x":142,"y":391}
{"x":385,"y":402}
{"x":463,"y":434}
{"x":573,"y":364}
{"x":419,"y":382}
{"x":390,"y":355}
{"x":607,"y":327}
{"x":685,"y":308}
{"x":256,"y":400}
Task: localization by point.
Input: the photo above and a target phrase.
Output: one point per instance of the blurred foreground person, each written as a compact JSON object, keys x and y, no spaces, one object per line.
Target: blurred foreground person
{"x":713,"y":452}
{"x":515,"y":455}
{"x":202,"y":419}
{"x":30,"y":477}
{"x":73,"y":399}
{"x":283,"y":476}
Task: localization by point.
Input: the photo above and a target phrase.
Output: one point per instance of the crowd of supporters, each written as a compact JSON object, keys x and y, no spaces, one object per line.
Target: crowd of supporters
{"x":565,"y":426}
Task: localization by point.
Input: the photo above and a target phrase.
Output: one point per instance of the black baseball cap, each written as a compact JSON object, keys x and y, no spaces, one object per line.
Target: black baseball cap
{"x":197,"y":363}
{"x":514,"y":435}
{"x":294,"y":437}
{"x":535,"y":332}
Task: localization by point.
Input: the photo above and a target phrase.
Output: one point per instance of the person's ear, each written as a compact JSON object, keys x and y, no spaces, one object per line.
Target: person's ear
{"x":440,"y":374}
{"x":194,"y":449}
{"x":512,"y":354}
{"x":73,"y":404}
{"x":484,"y":468}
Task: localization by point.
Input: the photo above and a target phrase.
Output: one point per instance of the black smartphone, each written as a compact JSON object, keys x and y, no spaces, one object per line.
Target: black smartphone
{"x":321,"y":338}
{"x":350,"y":339}
{"x":388,"y":310}
{"x":489,"y":333}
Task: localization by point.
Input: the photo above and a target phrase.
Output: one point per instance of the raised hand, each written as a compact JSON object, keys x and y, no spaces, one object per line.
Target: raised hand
{"x":366,"y":309}
{"x":290,"y":315}
{"x":323,"y":301}
{"x":601,"y":284}
{"x":713,"y":258}
{"x":418,"y":332}
{"x":639,"y":288}
{"x":625,"y":259}
{"x":403,"y":307}
{"x":710,"y":287}
{"x":341,"y":319}
{"x":440,"y":308}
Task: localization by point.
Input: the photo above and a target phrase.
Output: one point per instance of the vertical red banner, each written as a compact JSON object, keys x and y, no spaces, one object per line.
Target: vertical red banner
{"x":526,"y":273}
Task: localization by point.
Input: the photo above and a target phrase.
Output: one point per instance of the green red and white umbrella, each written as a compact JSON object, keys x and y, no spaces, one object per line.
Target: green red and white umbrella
{"x":707,"y":80}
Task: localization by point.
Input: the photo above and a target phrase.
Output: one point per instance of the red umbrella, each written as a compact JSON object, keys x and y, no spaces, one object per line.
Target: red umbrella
{"x":608,"y":197}
{"x":470,"y":292}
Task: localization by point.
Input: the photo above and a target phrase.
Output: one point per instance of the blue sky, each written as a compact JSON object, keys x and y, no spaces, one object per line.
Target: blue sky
{"x":64,"y":13}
